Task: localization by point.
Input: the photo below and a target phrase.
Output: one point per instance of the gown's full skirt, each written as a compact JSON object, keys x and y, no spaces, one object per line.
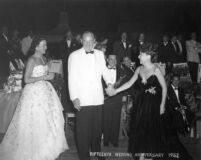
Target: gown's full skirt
{"x":146,"y":126}
{"x":36,"y":131}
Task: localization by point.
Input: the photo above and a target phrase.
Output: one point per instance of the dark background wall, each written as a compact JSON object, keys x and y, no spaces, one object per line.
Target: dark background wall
{"x":103,"y":16}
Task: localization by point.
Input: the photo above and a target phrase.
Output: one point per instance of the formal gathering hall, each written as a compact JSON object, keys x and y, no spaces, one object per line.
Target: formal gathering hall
{"x":100,"y":79}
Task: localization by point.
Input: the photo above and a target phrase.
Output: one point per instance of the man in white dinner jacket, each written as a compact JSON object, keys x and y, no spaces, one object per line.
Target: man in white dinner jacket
{"x":86,"y":68}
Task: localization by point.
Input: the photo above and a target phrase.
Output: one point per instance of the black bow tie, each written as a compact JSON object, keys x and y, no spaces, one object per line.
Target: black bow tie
{"x":175,"y":88}
{"x":90,"y":52}
{"x":112,"y":68}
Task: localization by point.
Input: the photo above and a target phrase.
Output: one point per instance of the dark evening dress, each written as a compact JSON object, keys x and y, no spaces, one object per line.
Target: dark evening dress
{"x":146,"y":124}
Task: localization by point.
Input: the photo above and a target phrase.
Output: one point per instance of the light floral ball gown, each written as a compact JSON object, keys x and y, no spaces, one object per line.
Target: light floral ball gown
{"x":36,"y":131}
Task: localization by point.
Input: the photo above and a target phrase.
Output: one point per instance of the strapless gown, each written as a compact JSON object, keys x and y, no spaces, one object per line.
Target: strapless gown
{"x":146,"y":126}
{"x":36,"y":131}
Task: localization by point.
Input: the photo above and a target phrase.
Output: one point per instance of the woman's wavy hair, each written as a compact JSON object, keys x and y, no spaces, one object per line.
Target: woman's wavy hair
{"x":35,"y":42}
{"x":149,"y":49}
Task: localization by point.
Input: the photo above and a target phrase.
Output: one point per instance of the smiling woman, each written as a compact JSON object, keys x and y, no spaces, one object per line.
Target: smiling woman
{"x":147,"y":133}
{"x":37,"y":128}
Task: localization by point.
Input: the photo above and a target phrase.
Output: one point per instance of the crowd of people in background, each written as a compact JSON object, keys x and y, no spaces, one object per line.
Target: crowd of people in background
{"x":171,"y":48}
{"x":126,"y":61}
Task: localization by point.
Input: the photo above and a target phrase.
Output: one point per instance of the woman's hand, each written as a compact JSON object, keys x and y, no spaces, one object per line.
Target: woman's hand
{"x":110,"y":90}
{"x":162,"y":109}
{"x":50,"y":76}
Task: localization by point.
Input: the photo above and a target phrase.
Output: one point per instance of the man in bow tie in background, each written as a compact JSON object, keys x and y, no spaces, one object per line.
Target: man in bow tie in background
{"x":113,"y":105}
{"x":140,"y":41}
{"x":86,"y":67}
{"x":176,"y":105}
{"x":165,"y":54}
{"x":178,"y":117}
{"x":122,"y":48}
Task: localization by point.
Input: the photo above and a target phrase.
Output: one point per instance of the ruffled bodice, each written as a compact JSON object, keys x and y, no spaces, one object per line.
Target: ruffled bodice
{"x":40,"y":70}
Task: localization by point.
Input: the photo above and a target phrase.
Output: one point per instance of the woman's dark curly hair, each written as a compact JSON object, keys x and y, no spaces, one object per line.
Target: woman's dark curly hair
{"x":149,"y":49}
{"x":35,"y":42}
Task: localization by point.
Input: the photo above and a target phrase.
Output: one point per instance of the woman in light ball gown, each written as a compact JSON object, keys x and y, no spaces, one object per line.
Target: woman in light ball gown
{"x":36,"y":131}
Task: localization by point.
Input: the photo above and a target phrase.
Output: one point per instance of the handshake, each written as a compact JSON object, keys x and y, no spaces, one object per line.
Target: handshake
{"x":110,"y":90}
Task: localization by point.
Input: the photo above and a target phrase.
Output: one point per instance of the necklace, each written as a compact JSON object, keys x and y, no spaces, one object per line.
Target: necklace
{"x":42,"y":60}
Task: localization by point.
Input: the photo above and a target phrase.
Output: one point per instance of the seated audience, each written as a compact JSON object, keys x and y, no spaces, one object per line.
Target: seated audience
{"x":178,"y":118}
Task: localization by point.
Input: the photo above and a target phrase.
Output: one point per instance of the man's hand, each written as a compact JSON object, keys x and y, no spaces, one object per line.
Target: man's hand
{"x":124,"y":99}
{"x":110,"y":90}
{"x":76,"y":103}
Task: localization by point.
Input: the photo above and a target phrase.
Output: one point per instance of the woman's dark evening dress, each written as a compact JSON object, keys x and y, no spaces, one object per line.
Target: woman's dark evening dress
{"x":146,"y":128}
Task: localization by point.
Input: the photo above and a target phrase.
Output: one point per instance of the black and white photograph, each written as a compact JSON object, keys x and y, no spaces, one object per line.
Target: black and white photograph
{"x":100,"y":79}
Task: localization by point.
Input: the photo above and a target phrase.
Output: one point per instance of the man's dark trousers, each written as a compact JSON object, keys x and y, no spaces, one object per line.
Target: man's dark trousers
{"x":88,"y":130}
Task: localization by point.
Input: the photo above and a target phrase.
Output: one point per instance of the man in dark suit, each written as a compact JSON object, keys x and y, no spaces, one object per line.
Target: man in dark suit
{"x":122,"y":48}
{"x":165,"y":54}
{"x":129,"y":67}
{"x":182,"y":48}
{"x":174,"y":49}
{"x":78,"y":39}
{"x":128,"y":63}
{"x":67,"y":46}
{"x":136,"y":48}
{"x":112,"y":106}
{"x":4,"y":55}
{"x":178,"y":118}
{"x":177,"y":106}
